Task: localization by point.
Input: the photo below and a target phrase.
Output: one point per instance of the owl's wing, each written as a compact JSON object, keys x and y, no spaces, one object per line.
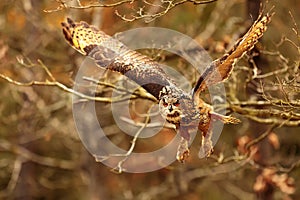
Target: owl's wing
{"x":221,"y":68}
{"x":114,"y":55}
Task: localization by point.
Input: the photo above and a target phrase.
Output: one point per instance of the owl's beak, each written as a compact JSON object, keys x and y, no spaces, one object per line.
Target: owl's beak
{"x":170,"y":108}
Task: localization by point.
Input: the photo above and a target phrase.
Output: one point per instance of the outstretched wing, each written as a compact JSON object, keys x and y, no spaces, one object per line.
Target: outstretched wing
{"x":114,"y":55}
{"x":221,"y":68}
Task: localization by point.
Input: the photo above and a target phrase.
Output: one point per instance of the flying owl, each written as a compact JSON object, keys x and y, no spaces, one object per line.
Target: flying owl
{"x":187,"y":111}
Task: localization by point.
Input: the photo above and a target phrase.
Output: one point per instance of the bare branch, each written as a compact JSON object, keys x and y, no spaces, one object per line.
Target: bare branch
{"x":30,"y":156}
{"x":162,"y":7}
{"x":260,"y":138}
{"x":119,"y":168}
{"x":140,"y":93}
{"x":13,"y":179}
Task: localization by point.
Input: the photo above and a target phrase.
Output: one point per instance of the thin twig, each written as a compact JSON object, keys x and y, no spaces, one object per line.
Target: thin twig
{"x":13,"y":179}
{"x":30,"y":156}
{"x":139,"y":13}
{"x":260,"y":138}
{"x":119,"y":168}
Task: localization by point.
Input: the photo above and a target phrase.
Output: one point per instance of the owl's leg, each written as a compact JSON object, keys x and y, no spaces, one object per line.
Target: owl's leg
{"x":184,"y":132}
{"x":183,"y":151}
{"x":206,"y":148}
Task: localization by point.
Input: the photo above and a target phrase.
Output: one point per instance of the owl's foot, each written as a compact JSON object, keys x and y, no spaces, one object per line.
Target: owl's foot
{"x":182,"y":156}
{"x":205,"y":151}
{"x":183,"y":151}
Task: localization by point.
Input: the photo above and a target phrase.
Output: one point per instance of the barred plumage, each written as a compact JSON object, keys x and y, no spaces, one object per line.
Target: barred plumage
{"x":188,"y":112}
{"x":220,"y":69}
{"x":112,"y":54}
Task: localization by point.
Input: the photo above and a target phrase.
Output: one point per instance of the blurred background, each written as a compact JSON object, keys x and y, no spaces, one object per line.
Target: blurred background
{"x":42,"y":157}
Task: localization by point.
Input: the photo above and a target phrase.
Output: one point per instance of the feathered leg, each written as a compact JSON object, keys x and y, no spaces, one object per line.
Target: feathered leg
{"x":206,"y":148}
{"x":183,"y":151}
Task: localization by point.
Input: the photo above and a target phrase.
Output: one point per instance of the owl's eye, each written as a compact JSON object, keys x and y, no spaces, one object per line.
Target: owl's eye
{"x":176,"y":103}
{"x":165,"y":104}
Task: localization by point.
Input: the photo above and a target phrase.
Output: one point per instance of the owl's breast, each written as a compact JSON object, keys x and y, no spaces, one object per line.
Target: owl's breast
{"x":174,"y":117}
{"x":190,"y":119}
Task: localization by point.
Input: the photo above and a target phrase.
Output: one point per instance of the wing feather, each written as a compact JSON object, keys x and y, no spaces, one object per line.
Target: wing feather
{"x":114,"y":55}
{"x":221,"y":68}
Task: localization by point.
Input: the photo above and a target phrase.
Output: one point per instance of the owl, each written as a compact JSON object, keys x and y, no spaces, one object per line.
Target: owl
{"x":187,"y":111}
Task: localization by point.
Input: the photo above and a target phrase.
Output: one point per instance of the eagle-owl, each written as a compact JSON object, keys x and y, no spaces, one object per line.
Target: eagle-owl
{"x":169,"y":105}
{"x":187,"y":111}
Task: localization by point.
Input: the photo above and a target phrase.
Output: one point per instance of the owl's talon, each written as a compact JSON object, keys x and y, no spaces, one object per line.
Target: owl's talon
{"x":182,"y":156}
{"x":183,"y":151}
{"x":205,"y":152}
{"x":184,"y":110}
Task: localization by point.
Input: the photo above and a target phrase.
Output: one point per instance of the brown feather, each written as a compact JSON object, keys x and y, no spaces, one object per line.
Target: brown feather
{"x":114,"y":55}
{"x":221,"y":68}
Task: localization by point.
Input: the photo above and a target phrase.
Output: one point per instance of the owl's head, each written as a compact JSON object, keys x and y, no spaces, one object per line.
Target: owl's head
{"x":169,"y":104}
